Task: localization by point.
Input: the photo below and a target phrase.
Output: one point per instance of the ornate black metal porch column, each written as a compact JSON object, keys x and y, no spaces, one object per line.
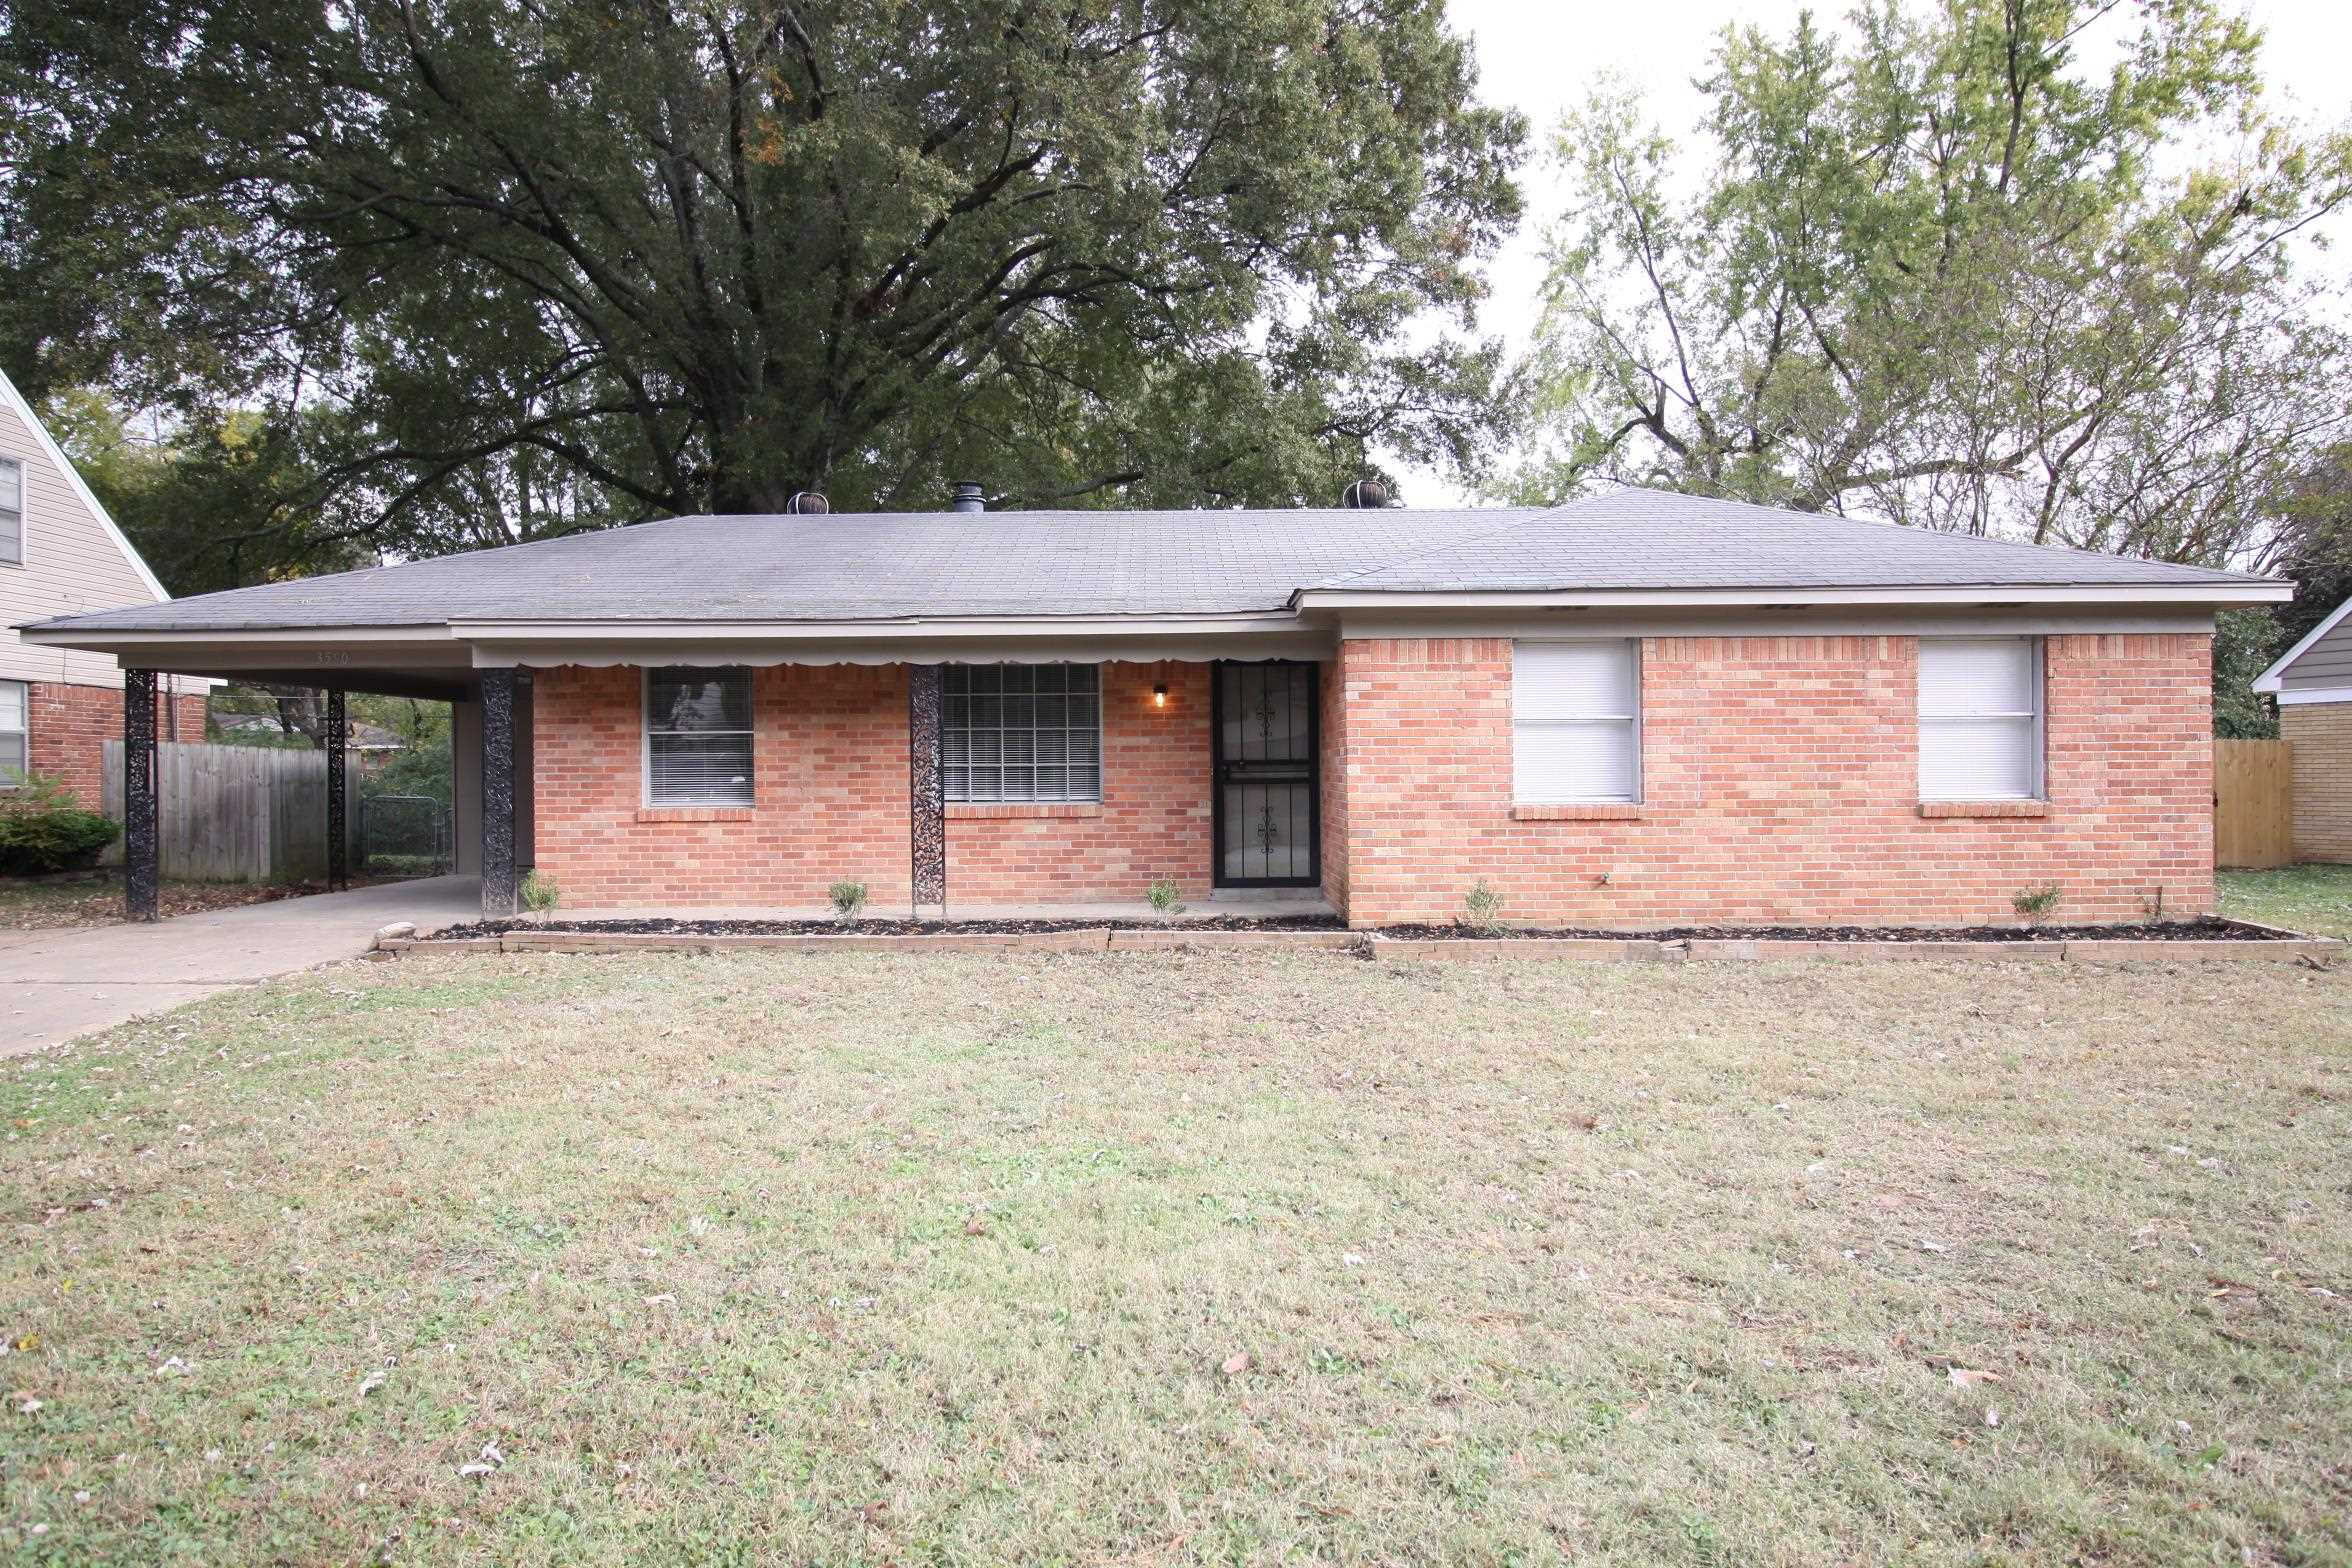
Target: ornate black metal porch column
{"x":338,"y":832}
{"x":141,"y":852}
{"x":927,"y":787}
{"x":498,"y":792}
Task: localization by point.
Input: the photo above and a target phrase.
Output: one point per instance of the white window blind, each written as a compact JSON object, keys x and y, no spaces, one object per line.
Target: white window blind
{"x":1022,"y":732}
{"x":13,"y":752}
{"x":698,"y":737}
{"x":11,"y":511}
{"x":1980,"y":718}
{"x":1576,"y":721}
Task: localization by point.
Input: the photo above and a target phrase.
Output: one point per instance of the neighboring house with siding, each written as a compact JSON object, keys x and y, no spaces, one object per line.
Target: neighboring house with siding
{"x":2312,"y":682}
{"x":60,"y":554}
{"x":1635,"y":709}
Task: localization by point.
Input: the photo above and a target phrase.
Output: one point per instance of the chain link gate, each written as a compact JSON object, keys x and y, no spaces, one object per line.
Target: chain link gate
{"x":404,"y":836}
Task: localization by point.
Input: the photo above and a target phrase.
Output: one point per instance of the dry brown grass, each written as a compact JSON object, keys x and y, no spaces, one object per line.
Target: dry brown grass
{"x":879,"y":1259}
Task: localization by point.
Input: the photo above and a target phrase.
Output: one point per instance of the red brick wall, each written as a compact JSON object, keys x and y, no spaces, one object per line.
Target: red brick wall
{"x":1153,"y":821}
{"x":69,"y":724}
{"x":829,"y":772}
{"x":1331,"y":782}
{"x":1780,"y":784}
{"x":830,"y":775}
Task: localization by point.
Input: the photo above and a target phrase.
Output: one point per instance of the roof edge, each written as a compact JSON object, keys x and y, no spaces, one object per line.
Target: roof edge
{"x":2239,"y":591}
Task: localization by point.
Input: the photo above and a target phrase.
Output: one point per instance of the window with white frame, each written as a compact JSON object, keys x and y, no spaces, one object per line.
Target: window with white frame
{"x":15,"y":754}
{"x":1576,"y":721}
{"x":698,"y":727}
{"x":11,"y":512}
{"x":1980,"y":718}
{"x":1022,"y":732}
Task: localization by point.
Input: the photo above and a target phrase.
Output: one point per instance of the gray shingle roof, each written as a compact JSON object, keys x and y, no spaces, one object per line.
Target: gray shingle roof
{"x":900,"y":565}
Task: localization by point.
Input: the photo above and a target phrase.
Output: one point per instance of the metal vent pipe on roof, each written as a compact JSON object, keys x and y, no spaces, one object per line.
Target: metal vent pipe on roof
{"x":969,"y":497}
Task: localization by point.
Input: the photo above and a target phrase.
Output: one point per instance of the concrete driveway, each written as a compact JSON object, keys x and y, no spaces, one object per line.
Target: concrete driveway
{"x":60,"y":983}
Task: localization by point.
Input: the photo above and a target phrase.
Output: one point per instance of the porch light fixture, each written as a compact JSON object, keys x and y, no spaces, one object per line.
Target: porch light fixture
{"x":1160,"y":695}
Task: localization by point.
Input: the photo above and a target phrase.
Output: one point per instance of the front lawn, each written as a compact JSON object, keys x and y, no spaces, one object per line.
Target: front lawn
{"x":1236,"y":1258}
{"x":2313,"y":899}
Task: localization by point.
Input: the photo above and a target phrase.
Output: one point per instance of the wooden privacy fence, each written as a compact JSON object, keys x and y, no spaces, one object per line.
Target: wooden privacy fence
{"x":2253,"y":803}
{"x":239,"y":813}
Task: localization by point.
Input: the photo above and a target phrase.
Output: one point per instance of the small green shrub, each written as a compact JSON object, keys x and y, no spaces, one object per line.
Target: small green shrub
{"x":849,"y":901}
{"x":540,"y":894}
{"x":2033,"y":903}
{"x":1482,"y":907}
{"x":44,"y":829}
{"x":1161,"y":895}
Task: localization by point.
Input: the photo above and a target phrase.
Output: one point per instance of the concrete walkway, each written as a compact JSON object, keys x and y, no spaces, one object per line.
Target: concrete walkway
{"x":57,"y":984}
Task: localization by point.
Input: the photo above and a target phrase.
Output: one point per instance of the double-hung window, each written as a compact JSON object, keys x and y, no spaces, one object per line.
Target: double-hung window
{"x":11,"y":512}
{"x":698,"y":736}
{"x":1980,"y":718}
{"x":14,"y":724}
{"x":1576,"y":721}
{"x":1022,"y":732}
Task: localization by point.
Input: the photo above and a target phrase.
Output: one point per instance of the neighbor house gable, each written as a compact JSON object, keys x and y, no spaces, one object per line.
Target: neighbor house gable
{"x":74,"y":558}
{"x":2318,"y":668}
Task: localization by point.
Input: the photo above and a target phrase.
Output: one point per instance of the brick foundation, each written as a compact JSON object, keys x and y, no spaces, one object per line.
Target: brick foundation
{"x":2322,"y":736}
{"x":831,"y":795}
{"x":1780,"y":784}
{"x":68,"y":725}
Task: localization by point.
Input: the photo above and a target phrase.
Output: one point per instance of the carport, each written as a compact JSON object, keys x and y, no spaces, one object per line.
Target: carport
{"x":490,"y":732}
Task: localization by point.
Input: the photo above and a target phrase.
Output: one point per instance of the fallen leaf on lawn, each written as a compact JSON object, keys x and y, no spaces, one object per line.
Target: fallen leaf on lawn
{"x":1963,"y":1377}
{"x":1237,"y":1363}
{"x":975,"y":1226}
{"x":28,"y":1341}
{"x":1332,"y":1513}
{"x":872,"y":1513}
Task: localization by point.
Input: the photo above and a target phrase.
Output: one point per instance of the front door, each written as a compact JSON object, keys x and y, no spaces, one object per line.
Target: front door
{"x":1268,"y":809}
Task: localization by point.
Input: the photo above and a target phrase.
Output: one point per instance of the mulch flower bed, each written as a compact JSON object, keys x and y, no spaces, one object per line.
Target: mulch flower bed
{"x":2204,"y":930}
{"x":887,"y":927}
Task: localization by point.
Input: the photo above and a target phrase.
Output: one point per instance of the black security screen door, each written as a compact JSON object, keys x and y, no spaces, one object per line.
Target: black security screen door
{"x":1268,"y":808}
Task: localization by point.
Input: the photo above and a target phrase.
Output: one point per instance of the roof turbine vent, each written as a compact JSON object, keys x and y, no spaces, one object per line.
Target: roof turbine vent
{"x":969,"y":497}
{"x":807,"y":503}
{"x":1369,"y":494}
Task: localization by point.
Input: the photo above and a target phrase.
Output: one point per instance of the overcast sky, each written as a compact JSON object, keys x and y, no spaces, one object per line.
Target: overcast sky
{"x":1540,"y":56}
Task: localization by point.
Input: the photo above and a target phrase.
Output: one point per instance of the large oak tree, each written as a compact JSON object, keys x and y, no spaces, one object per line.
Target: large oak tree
{"x":2016,"y":266}
{"x":493,"y":268}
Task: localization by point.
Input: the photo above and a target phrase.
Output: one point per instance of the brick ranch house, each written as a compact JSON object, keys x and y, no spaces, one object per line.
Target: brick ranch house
{"x":1633,"y":709}
{"x":60,"y":553}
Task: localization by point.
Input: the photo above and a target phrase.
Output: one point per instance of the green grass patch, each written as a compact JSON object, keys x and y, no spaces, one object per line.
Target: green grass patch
{"x":2316,"y":900}
{"x":867,"y":1258}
